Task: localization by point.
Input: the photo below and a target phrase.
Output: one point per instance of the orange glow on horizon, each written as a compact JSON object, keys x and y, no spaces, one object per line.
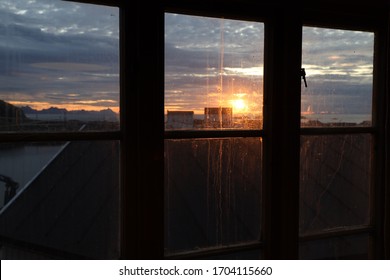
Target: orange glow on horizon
{"x":67,"y":106}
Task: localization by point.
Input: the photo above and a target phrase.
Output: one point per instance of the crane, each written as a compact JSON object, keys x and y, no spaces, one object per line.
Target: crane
{"x":10,"y":187}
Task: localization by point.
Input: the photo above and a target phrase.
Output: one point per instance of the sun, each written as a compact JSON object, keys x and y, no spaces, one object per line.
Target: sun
{"x":239,"y":105}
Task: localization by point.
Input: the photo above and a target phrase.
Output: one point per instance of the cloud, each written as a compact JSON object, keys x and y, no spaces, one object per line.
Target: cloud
{"x":208,"y":59}
{"x":51,"y":48}
{"x":339,"y":64}
{"x":339,"y":68}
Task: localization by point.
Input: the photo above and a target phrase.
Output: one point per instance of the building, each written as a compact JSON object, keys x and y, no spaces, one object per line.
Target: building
{"x":180,"y":120}
{"x":218,"y":117}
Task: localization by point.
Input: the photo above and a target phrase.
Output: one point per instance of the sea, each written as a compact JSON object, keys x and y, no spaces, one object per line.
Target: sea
{"x":338,"y":118}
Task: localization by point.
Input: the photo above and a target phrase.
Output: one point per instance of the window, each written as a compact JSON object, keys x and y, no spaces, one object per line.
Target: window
{"x":59,"y":128}
{"x":213,"y":97}
{"x":217,"y":149}
{"x":339,"y":64}
{"x":321,"y":140}
{"x":336,"y":168}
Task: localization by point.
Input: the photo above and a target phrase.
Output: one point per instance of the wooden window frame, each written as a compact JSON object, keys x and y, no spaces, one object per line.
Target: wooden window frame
{"x":142,"y":138}
{"x":376,"y":229}
{"x":282,"y":132}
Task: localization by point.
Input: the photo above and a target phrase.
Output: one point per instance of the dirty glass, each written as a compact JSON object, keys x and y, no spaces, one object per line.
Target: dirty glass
{"x":213,"y":73}
{"x":335,"y":182}
{"x":212,"y":193}
{"x":59,"y":66}
{"x":339,"y":73}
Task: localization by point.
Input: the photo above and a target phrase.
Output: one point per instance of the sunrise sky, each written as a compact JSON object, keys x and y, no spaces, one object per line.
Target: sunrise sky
{"x":338,"y":63}
{"x":211,"y":62}
{"x":60,"y":54}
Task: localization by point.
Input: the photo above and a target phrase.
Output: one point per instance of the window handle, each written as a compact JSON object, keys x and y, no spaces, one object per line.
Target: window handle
{"x":303,"y":75}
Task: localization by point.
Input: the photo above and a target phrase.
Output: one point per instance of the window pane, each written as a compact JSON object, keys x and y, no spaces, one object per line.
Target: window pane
{"x":345,"y":247}
{"x":335,"y":181}
{"x":213,"y":193}
{"x":62,"y":196}
{"x":213,"y":73}
{"x":59,"y":66}
{"x":339,"y":68}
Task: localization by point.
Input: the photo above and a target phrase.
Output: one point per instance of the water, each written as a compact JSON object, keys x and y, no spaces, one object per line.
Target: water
{"x":338,"y":118}
{"x":22,"y":162}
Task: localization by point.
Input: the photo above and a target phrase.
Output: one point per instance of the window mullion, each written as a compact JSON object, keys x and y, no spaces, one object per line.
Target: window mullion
{"x":386,"y":137}
{"x":142,"y":194}
{"x":282,"y":108}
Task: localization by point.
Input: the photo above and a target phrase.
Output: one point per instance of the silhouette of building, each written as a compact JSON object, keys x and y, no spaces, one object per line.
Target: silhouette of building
{"x":218,"y":117}
{"x":180,"y":119}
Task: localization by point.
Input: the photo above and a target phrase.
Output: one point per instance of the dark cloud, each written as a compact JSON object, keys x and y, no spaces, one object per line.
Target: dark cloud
{"x":51,"y":48}
{"x":339,"y":70}
{"x":30,"y":45}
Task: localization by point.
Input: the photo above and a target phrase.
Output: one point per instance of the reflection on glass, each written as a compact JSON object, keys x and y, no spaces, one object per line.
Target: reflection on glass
{"x":212,"y":193}
{"x":339,"y":68}
{"x":335,"y":180}
{"x":213,"y":73}
{"x":337,"y":248}
{"x":66,"y":199}
{"x":20,"y":163}
{"x":59,"y":66}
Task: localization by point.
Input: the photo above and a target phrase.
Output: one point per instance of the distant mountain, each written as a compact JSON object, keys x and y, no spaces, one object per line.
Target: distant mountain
{"x":27,"y":110}
{"x":51,"y":110}
{"x":10,"y":113}
{"x":106,"y":114}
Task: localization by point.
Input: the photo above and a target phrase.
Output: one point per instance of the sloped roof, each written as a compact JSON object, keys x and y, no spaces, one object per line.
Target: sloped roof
{"x":72,"y":205}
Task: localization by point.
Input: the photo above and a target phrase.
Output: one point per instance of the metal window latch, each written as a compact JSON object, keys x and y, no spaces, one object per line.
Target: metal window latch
{"x":303,"y":75}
